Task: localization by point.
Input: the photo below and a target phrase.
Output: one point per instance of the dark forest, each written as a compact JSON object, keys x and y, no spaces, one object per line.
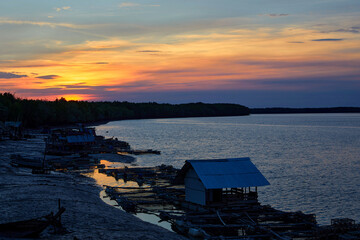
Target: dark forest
{"x":34,"y":113}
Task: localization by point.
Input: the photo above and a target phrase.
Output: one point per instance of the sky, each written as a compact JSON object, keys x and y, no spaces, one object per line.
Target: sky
{"x":258,"y":53}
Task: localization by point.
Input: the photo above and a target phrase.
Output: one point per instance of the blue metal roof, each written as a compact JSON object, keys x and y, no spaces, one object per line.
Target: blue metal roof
{"x":13,"y":124}
{"x":228,"y":173}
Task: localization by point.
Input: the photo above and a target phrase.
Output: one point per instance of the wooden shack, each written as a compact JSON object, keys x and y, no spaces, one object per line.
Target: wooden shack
{"x":14,"y":130}
{"x":63,"y":141}
{"x":220,"y":181}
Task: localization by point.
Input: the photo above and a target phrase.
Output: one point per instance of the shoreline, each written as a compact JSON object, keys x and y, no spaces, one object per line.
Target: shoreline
{"x":25,"y":196}
{"x":99,"y":123}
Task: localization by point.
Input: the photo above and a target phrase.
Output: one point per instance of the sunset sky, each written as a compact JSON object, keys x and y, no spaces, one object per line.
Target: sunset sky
{"x":259,"y":53}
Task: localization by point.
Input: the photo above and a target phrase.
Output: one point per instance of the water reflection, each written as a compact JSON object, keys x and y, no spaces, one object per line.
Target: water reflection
{"x":311,"y":160}
{"x":102,"y":179}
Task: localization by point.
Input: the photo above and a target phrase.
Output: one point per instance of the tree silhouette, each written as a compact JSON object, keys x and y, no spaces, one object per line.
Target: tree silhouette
{"x":35,"y":113}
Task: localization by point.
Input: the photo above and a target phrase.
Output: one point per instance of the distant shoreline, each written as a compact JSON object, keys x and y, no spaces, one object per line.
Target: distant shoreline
{"x":36,"y":113}
{"x":40,"y":113}
{"x":277,"y":110}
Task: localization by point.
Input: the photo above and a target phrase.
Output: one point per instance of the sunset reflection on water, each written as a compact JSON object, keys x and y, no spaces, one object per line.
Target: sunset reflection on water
{"x":103,"y":179}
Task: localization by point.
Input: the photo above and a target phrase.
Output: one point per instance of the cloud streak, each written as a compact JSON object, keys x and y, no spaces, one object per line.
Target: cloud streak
{"x":276,"y":15}
{"x":328,"y":40}
{"x":354,"y":29}
{"x":9,"y":75}
{"x":132,"y":4}
{"x":62,"y":8}
{"x":128,"y":4}
{"x":42,"y":24}
{"x":149,"y":51}
{"x":48,"y":77}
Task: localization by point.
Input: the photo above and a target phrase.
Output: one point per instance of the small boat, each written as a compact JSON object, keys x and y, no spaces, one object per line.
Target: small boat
{"x":19,"y":161}
{"x":23,"y":229}
{"x":29,"y":228}
{"x":146,"y":151}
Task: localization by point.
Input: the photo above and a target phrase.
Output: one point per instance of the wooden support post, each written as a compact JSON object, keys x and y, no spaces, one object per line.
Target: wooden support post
{"x":59,"y":206}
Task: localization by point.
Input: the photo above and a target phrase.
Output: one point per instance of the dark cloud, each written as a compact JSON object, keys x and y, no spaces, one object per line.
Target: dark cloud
{"x":273,"y":63}
{"x":75,"y":86}
{"x":79,"y":88}
{"x":346,"y":30}
{"x":41,"y":65}
{"x":277,"y":15}
{"x":295,"y":42}
{"x":38,"y":91}
{"x":96,"y":49}
{"x":9,"y":75}
{"x":188,"y":72}
{"x":101,"y":63}
{"x":49,"y":77}
{"x":149,"y":51}
{"x":136,"y":84}
{"x":80,"y":85}
{"x":170,"y":71}
{"x":328,"y":40}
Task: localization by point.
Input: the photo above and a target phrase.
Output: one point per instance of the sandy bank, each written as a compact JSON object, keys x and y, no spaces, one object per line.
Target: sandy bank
{"x":24,"y":196}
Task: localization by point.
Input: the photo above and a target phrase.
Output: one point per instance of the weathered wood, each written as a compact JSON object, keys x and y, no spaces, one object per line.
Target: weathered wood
{"x":246,"y":218}
{"x":128,"y":187}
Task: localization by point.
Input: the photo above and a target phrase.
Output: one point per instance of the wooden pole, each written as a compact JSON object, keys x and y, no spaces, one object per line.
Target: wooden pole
{"x":59,"y":206}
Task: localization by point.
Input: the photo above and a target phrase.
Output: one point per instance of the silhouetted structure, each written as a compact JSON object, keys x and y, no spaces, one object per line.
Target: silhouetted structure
{"x":221,"y":181}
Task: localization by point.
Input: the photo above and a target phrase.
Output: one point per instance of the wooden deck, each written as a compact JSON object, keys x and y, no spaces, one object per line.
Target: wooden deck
{"x":238,"y":216}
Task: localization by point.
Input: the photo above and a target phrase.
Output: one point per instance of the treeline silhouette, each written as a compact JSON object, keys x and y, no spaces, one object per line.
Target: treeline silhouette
{"x":34,"y":113}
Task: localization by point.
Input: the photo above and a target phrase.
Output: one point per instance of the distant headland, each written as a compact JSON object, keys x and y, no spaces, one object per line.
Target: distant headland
{"x":35,"y":113}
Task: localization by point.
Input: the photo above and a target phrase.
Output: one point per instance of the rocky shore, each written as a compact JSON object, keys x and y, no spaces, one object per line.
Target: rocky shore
{"x":24,"y":195}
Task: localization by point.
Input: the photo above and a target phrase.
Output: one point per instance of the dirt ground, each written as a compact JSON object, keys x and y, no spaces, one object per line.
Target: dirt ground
{"x":24,"y":195}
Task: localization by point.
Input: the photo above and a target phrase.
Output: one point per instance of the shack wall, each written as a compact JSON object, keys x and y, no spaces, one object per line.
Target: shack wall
{"x":194,"y":189}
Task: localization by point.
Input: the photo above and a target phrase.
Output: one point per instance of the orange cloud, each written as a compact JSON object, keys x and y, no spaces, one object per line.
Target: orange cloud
{"x":225,"y":59}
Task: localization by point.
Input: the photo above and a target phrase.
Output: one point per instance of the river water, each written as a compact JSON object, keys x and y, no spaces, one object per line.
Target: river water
{"x":311,"y":160}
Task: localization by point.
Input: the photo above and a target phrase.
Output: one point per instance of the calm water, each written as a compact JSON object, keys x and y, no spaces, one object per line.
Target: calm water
{"x":311,"y":160}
